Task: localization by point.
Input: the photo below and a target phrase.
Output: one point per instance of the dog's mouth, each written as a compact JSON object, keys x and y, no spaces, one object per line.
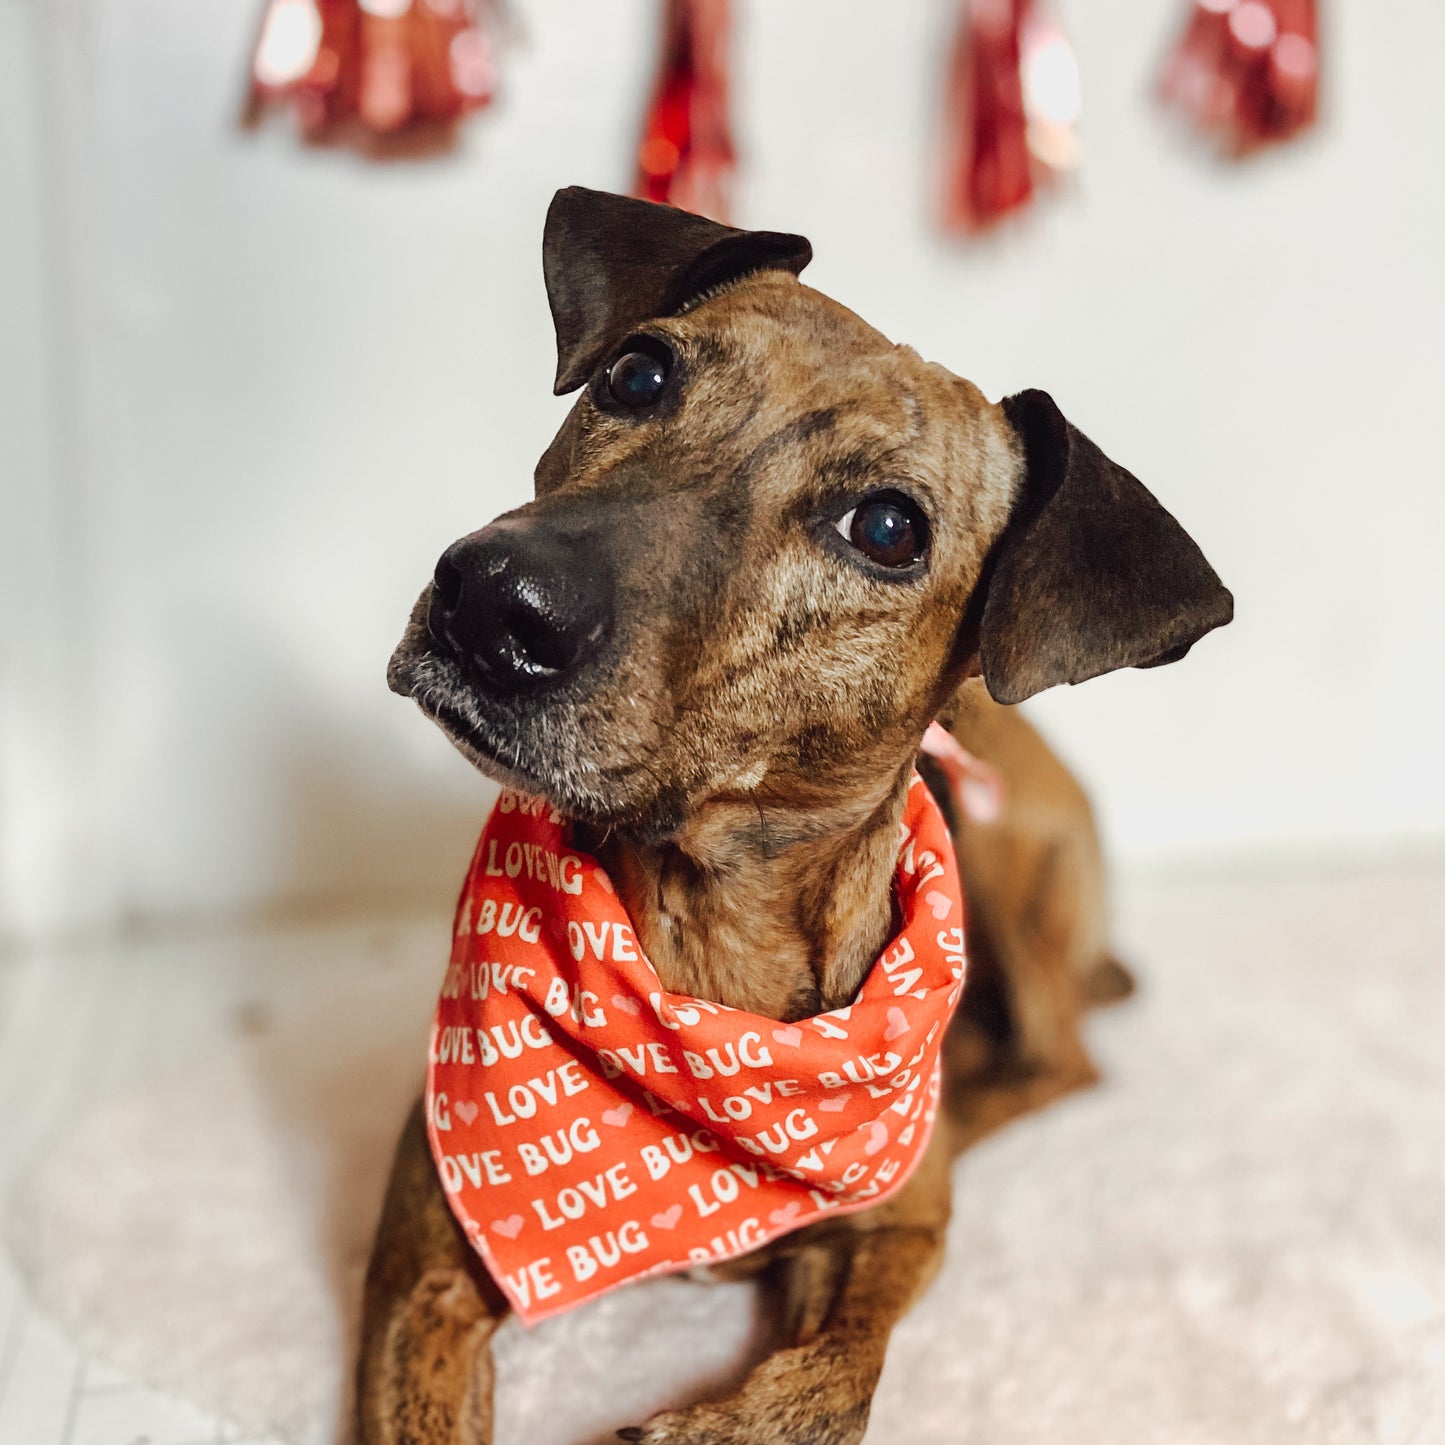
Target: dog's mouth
{"x":442,"y":686}
{"x":455,"y":697}
{"x":527,"y":746}
{"x":556,"y":742}
{"x":508,"y":746}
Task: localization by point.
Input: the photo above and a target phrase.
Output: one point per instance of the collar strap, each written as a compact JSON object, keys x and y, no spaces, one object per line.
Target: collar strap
{"x":977,"y":787}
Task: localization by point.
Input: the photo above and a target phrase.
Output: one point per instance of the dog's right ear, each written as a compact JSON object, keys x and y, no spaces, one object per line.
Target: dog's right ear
{"x":612,"y":262}
{"x":1091,"y":573}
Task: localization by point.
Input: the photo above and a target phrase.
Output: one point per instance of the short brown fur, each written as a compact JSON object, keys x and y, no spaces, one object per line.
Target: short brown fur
{"x":739,"y":765}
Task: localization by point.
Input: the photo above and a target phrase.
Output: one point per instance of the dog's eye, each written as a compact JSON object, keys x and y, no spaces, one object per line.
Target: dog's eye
{"x":888,"y":530}
{"x":636,"y":378}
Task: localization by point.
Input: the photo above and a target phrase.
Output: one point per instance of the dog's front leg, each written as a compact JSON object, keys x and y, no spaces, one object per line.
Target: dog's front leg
{"x":844,"y":1286}
{"x":425,"y":1371}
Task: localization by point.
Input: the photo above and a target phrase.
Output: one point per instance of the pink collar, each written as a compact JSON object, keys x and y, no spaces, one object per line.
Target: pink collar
{"x":977,"y":786}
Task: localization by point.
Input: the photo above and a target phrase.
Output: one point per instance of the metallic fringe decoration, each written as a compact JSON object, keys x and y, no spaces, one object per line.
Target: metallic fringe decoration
{"x":1013,"y":99}
{"x":372,"y":69}
{"x":686,"y":155}
{"x":1247,"y":71}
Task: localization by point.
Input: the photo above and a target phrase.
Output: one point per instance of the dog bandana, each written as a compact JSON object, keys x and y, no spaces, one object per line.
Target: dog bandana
{"x":591,"y":1129}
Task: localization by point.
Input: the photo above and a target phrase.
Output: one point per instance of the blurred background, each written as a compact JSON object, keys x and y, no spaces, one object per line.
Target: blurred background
{"x":250,"y":388}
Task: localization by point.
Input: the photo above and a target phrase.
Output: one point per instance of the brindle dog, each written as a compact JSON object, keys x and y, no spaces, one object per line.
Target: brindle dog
{"x":767,"y":547}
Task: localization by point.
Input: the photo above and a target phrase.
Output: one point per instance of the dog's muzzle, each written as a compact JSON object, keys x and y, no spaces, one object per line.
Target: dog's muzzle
{"x":524,"y":605}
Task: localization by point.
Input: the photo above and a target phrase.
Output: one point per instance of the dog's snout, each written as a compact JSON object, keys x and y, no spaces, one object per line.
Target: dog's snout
{"x":524,"y":604}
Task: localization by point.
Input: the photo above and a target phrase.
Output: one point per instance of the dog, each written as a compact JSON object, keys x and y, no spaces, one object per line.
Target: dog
{"x":768,"y":547}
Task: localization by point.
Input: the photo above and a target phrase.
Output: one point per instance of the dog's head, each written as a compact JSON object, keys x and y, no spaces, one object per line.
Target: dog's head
{"x":767,"y":545}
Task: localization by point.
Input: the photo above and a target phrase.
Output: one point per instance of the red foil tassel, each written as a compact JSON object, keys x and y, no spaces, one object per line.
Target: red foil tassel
{"x":375,"y":68}
{"x":1247,"y":71}
{"x":686,"y":155}
{"x":1013,"y":104}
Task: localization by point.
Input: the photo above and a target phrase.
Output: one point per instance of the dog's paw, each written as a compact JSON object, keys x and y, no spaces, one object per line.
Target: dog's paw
{"x":717,"y":1425}
{"x":797,"y":1397}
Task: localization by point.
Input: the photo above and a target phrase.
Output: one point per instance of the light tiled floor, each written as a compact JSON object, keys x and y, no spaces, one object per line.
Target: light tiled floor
{"x":50,"y":1394}
{"x":90,"y":1022}
{"x":130,"y":1008}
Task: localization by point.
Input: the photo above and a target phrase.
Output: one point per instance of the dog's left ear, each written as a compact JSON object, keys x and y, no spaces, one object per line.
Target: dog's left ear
{"x":1091,"y":573}
{"x":612,"y":262}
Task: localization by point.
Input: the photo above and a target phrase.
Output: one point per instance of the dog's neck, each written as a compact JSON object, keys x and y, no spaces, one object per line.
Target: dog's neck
{"x":739,"y":910}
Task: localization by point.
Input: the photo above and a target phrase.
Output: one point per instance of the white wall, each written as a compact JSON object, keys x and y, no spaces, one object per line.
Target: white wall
{"x":250,"y":390}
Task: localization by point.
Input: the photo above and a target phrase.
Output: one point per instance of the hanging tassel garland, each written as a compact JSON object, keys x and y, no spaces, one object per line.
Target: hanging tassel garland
{"x":1014,"y":101}
{"x":1247,"y":71}
{"x":377,"y":69}
{"x":397,"y":75}
{"x":686,"y":154}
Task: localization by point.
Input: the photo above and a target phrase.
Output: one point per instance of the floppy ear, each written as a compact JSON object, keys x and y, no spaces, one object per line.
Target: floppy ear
{"x":1091,"y":573}
{"x":612,"y":262}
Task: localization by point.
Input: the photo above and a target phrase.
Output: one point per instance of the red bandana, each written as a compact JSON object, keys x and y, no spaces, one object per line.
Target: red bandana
{"x":591,"y":1129}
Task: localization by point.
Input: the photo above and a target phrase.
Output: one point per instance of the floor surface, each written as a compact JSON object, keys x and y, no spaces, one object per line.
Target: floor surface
{"x":1237,"y":1241}
{"x":93,"y":1023}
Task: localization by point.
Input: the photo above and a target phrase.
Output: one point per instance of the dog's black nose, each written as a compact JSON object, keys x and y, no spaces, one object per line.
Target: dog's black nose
{"x":526,"y":605}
